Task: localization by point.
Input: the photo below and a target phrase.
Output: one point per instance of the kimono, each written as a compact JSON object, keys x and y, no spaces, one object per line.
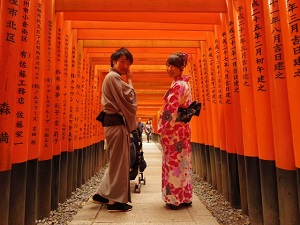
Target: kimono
{"x":176,"y":147}
{"x":118,"y":97}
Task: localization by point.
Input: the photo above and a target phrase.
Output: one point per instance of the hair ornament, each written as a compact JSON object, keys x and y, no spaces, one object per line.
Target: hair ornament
{"x":185,"y":58}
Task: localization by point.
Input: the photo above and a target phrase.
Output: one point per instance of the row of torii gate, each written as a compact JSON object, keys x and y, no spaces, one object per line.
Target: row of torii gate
{"x":244,"y":64}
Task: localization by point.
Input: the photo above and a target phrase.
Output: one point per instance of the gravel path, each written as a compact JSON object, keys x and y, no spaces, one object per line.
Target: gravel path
{"x":214,"y":202}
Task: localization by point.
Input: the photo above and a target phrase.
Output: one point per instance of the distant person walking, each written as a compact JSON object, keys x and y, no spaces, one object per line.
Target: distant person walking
{"x":148,"y":130}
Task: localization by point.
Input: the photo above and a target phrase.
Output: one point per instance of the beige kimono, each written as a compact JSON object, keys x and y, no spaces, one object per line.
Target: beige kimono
{"x":118,"y":97}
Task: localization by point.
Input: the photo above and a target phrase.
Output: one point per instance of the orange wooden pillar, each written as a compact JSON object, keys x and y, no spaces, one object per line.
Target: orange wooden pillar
{"x":32,"y":110}
{"x":229,"y":157}
{"x":197,"y":132}
{"x":263,"y":112}
{"x":192,"y":71}
{"x":58,"y":109}
{"x":9,"y":52}
{"x":215,"y":150}
{"x":289,"y":22}
{"x":78,"y":135}
{"x":72,"y":165}
{"x":95,"y":123}
{"x":21,"y":87}
{"x":97,"y":129}
{"x":92,"y":116}
{"x":248,"y":112}
{"x":196,"y":69}
{"x":44,"y":73}
{"x":207,"y":111}
{"x":104,"y":152}
{"x":238,"y":146}
{"x":65,"y":108}
{"x":83,"y":116}
{"x":88,"y":137}
{"x":221,"y":157}
{"x":202,"y":119}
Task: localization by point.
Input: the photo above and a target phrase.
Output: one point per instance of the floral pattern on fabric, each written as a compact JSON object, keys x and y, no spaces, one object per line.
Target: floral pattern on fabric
{"x":175,"y":140}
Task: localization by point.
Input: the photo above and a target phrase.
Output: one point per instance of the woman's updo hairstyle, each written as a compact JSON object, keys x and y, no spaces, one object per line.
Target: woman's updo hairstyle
{"x":178,"y":59}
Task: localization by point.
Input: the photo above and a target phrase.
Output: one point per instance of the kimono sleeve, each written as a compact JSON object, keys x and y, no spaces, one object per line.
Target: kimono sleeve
{"x":125,"y":97}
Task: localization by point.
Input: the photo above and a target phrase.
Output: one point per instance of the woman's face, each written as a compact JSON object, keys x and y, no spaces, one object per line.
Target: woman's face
{"x":173,"y":71}
{"x":122,"y":65}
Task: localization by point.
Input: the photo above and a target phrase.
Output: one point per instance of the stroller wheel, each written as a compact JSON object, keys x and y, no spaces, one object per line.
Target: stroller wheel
{"x":137,"y":188}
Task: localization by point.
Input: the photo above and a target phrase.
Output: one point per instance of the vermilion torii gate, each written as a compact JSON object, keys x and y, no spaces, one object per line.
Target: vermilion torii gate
{"x":244,"y":63}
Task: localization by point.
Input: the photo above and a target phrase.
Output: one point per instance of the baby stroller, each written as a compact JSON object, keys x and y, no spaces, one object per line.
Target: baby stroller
{"x":137,"y":161}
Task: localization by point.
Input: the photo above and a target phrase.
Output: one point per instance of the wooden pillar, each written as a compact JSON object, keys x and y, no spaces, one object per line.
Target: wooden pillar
{"x":78,"y":138}
{"x":202,"y":118}
{"x":236,"y":95}
{"x":65,"y":108}
{"x":247,"y":112}
{"x":230,"y":170}
{"x":207,"y":110}
{"x":9,"y":51}
{"x":28,"y":46}
{"x":289,"y":204}
{"x":20,"y":118}
{"x":72,"y":165}
{"x":263,"y":112}
{"x":58,"y":110}
{"x":221,"y":151}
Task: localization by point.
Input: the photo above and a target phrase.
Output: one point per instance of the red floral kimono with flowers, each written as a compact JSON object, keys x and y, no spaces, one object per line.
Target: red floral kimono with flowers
{"x":175,"y":141}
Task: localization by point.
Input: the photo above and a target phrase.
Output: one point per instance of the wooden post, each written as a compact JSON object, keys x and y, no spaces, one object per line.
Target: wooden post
{"x":58,"y":109}
{"x":289,"y":12}
{"x":34,"y":117}
{"x":229,"y":158}
{"x":236,"y":95}
{"x":247,"y":112}
{"x":263,"y":112}
{"x":207,"y":110}
{"x":44,"y":72}
{"x":9,"y":52}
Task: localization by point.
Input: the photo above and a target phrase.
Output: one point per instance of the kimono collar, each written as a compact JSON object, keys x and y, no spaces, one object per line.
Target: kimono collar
{"x":185,"y":78}
{"x":112,"y":70}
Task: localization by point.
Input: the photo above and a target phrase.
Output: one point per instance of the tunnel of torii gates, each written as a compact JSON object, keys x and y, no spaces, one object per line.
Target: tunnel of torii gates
{"x":245,"y":70}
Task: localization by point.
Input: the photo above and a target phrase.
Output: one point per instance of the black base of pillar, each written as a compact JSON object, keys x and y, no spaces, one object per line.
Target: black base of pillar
{"x":233,"y":181}
{"x":55,"y":185}
{"x":243,"y":183}
{"x":218,"y":169}
{"x":75,"y":170}
{"x":70,"y":174}
{"x":213,"y":167}
{"x":31,"y":190}
{"x":80,"y":168}
{"x":44,"y":189}
{"x":269,"y":192}
{"x":254,"y":192}
{"x":298,"y":185}
{"x":17,"y":195}
{"x":224,"y":172}
{"x":288,"y":197}
{"x":63,"y":177}
{"x":4,"y":196}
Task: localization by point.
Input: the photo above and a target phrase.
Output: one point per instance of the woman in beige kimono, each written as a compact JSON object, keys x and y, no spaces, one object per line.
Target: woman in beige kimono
{"x":119,"y":104}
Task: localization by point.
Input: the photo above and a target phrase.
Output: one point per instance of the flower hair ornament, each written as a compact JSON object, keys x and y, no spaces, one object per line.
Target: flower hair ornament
{"x":185,"y":58}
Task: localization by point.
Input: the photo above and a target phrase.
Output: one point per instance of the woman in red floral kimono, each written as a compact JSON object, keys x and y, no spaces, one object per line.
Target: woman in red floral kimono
{"x":175,"y":137}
